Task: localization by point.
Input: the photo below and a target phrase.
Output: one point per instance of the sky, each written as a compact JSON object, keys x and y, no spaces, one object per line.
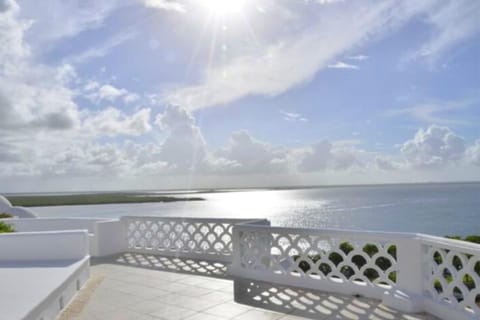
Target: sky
{"x":144,"y":94}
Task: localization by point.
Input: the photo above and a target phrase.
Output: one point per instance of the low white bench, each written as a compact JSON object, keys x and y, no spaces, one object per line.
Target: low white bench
{"x":41,"y":272}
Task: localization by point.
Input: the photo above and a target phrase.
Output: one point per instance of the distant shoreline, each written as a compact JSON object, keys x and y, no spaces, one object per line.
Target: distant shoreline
{"x":168,"y":193}
{"x":93,"y":199}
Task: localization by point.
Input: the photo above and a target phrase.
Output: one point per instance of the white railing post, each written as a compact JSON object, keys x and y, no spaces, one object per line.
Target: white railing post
{"x":408,"y":294}
{"x":236,"y":251}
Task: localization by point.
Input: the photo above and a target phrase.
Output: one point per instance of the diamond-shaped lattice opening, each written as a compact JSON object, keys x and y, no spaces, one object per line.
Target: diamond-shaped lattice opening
{"x":226,"y":238}
{"x":346,"y":247}
{"x":303,"y":264}
{"x":335,"y":257}
{"x":437,"y":257}
{"x":178,"y":228}
{"x":219,"y":246}
{"x":371,"y":274}
{"x":275,"y":251}
{"x":347,"y":271}
{"x":447,"y":275}
{"x":437,"y":285}
{"x":303,"y":244}
{"x":325,"y":268}
{"x":370,"y":249}
{"x":457,"y":263}
{"x":359,"y":261}
{"x":204,"y":229}
{"x":211,"y":237}
{"x":469,"y":282}
{"x":457,"y":294}
{"x":383,"y":263}
{"x":191,"y":244}
{"x":392,"y":250}
{"x":178,"y":244}
{"x":476,"y":268}
{"x":477,"y":300}
{"x":218,"y":229}
{"x":393,"y":276}
{"x":293,"y":252}
{"x":191,"y":229}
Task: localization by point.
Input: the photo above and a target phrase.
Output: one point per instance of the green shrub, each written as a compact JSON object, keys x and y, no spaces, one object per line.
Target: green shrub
{"x":472,"y":238}
{"x":5,"y":215}
{"x":6,"y":228}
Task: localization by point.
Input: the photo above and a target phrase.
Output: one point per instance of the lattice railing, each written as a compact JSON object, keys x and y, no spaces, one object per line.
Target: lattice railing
{"x":361,"y":263}
{"x":452,"y":276}
{"x":182,"y":237}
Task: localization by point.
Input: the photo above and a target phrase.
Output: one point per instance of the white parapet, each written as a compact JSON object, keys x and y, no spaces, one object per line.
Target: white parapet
{"x":409,"y":272}
{"x":106,"y":236}
{"x":41,"y":272}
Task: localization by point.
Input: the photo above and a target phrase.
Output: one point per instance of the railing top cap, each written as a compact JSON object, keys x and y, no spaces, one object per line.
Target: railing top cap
{"x":189,"y":219}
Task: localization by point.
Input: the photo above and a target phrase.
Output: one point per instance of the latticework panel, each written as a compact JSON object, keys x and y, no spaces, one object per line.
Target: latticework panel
{"x":179,"y":237}
{"x":453,"y":278}
{"x":317,"y":257}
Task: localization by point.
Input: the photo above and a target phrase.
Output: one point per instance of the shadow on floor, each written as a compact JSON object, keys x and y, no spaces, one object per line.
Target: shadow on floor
{"x":311,"y":304}
{"x":169,"y":264}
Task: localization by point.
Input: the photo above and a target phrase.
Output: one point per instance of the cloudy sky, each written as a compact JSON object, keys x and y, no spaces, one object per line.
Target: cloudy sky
{"x":127,"y":94}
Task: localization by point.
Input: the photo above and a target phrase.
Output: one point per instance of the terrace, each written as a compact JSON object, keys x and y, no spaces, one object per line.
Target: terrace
{"x":180,"y":268}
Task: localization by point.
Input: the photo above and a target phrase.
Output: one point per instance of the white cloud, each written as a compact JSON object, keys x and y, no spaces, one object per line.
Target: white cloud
{"x":32,"y":95}
{"x":327,"y":156}
{"x":358,"y":57}
{"x":473,"y":153}
{"x":435,"y":146}
{"x":113,"y":122}
{"x":454,"y":21}
{"x":60,"y":19}
{"x":343,"y":65}
{"x":436,"y":112}
{"x":249,"y":155}
{"x":170,"y":5}
{"x":293,"y":116}
{"x":294,"y":59}
{"x":387,"y":163}
{"x":101,"y":50}
{"x":110,"y":93}
{"x":184,"y":147}
{"x":97,"y":93}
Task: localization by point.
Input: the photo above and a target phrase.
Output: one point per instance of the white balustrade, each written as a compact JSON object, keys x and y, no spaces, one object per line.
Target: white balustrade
{"x":409,"y":272}
{"x":452,"y":277}
{"x":209,"y":239}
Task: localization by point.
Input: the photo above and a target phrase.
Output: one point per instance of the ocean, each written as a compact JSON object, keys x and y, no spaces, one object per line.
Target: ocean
{"x":438,"y":209}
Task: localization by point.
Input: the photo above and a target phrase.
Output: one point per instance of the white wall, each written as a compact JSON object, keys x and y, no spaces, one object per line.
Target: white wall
{"x":106,"y":235}
{"x":44,"y":246}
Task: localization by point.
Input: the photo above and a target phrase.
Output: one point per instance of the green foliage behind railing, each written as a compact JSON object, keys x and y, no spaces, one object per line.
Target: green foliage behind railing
{"x":359,"y":261}
{"x":6,"y":228}
{"x":5,"y":215}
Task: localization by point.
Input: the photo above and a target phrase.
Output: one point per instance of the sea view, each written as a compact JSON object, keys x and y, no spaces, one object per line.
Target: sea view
{"x":439,"y":209}
{"x":239,"y":160}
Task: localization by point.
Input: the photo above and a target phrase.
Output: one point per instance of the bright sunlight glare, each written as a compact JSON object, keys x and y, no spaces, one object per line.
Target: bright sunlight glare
{"x":224,"y":7}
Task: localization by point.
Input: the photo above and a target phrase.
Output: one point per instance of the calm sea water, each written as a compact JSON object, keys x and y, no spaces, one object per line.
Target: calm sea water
{"x":439,"y":209}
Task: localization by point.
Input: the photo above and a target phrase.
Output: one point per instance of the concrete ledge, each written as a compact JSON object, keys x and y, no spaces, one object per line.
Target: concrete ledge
{"x":41,"y":272}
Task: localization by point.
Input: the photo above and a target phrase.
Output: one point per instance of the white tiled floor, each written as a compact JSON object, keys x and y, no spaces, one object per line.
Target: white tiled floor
{"x":120,"y":289}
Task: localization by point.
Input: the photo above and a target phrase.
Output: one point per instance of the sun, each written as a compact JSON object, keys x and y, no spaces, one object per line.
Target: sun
{"x":224,"y":7}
